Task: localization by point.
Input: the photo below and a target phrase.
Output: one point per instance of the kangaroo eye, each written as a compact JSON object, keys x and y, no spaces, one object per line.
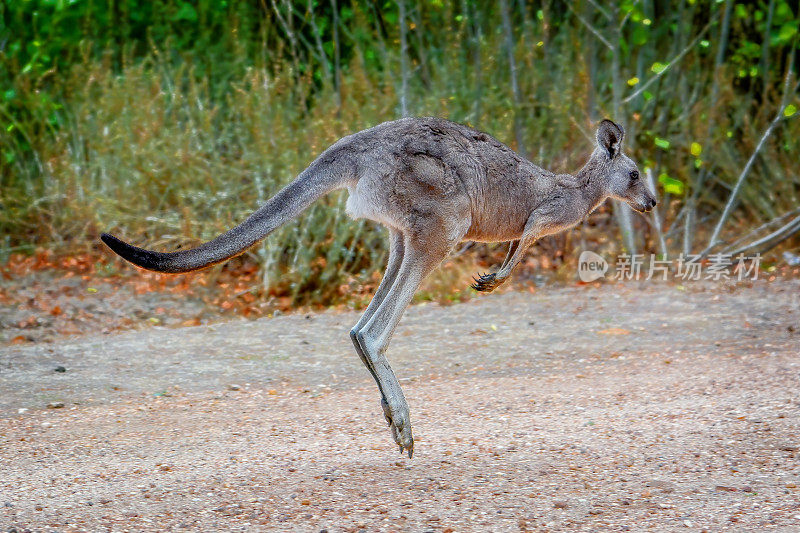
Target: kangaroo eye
{"x":634,"y":174}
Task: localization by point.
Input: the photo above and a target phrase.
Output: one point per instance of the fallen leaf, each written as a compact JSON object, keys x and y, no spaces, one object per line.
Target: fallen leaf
{"x":614,"y":331}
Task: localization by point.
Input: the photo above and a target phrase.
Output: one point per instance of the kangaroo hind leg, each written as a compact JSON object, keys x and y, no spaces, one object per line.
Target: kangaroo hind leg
{"x":392,"y":267}
{"x":419,"y":259}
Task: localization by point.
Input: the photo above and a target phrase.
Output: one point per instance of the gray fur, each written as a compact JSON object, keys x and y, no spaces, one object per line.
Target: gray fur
{"x":433,"y":183}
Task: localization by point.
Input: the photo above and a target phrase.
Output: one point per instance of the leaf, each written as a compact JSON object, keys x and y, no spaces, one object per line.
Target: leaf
{"x":789,"y":110}
{"x":640,"y":35}
{"x":633,"y":81}
{"x":671,"y":185}
{"x":658,"y":68}
{"x":662,"y":143}
{"x":614,"y":331}
{"x":186,"y":12}
{"x":785,"y":34}
{"x":696,"y":149}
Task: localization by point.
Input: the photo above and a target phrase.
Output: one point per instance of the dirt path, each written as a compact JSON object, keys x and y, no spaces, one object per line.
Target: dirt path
{"x":623,"y":407}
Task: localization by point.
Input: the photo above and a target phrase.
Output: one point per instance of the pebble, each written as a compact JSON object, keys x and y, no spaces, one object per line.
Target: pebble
{"x":233,"y":386}
{"x":47,"y":425}
{"x":560,"y":504}
{"x":55,"y":405}
{"x":59,"y":368}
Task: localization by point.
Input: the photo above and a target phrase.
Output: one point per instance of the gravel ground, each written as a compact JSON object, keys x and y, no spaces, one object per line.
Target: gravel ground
{"x":622,"y":407}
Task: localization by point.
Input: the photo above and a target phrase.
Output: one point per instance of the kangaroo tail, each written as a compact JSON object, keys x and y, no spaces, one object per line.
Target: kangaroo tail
{"x":320,"y":178}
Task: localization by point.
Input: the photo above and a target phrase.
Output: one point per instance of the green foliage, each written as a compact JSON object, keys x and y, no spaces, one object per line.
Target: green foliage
{"x":171,"y":121}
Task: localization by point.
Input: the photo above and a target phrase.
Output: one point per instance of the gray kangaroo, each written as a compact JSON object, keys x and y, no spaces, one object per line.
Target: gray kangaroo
{"x":433,"y":183}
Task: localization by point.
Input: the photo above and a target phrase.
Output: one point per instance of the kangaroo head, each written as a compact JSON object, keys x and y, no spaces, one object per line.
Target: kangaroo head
{"x":618,"y":174}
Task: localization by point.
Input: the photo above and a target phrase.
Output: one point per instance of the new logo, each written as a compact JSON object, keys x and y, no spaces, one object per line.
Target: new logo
{"x":591,"y":266}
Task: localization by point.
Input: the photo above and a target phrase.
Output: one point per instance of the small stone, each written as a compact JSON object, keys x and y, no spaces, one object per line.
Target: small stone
{"x":305,"y":502}
{"x":22,"y":411}
{"x":791,"y":485}
{"x":55,"y":405}
{"x":38,"y":507}
{"x":233,"y":386}
{"x":59,"y":368}
{"x":725,"y":488}
{"x":747,"y":488}
{"x":687,"y":523}
{"x":560,"y":504}
{"x":789,"y":448}
{"x":47,"y":425}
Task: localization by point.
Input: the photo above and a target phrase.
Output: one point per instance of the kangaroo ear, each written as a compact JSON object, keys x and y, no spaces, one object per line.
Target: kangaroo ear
{"x":609,"y":137}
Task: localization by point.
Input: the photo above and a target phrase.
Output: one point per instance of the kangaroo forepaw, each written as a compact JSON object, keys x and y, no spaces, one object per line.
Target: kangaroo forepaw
{"x":486,"y":282}
{"x":400,"y":424}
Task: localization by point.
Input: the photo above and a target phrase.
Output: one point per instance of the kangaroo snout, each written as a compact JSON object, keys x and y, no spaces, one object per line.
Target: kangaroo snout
{"x":644,"y":206}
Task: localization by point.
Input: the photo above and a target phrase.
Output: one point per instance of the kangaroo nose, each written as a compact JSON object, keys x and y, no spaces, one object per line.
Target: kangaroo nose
{"x":652,"y":203}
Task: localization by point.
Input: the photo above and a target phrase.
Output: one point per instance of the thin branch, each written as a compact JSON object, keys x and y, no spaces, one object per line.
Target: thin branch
{"x":403,"y":58}
{"x":770,"y":241}
{"x":674,"y":60}
{"x":512,"y":65}
{"x":601,"y":10}
{"x":764,"y":226}
{"x":323,"y":57}
{"x":287,"y":28}
{"x":662,"y":243}
{"x":591,"y":28}
{"x":337,"y":68}
{"x":713,"y":241}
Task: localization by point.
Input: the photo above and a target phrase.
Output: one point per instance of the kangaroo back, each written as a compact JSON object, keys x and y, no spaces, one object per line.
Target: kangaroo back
{"x":325,"y":174}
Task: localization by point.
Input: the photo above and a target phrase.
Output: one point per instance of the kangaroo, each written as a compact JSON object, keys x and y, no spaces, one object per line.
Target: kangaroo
{"x":433,"y":183}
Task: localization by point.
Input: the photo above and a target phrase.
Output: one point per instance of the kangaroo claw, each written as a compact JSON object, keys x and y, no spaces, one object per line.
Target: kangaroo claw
{"x":400,"y":425}
{"x":485,"y":282}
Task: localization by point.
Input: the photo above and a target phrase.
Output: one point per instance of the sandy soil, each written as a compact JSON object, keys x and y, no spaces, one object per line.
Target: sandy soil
{"x":624,"y":407}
